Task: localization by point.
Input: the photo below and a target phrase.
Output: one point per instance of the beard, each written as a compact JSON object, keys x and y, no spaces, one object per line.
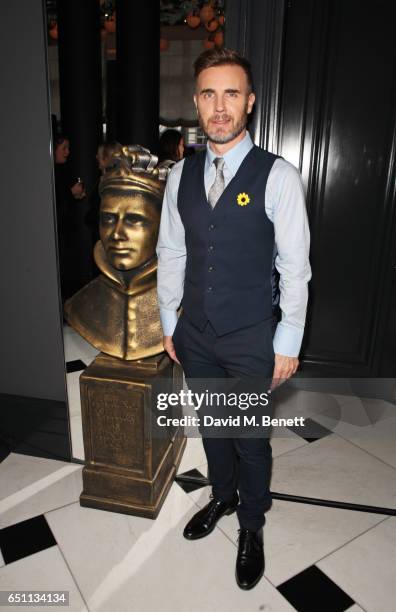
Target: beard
{"x":223,"y":137}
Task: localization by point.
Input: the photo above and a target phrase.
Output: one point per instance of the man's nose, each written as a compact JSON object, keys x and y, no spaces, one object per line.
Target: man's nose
{"x":219,"y":104}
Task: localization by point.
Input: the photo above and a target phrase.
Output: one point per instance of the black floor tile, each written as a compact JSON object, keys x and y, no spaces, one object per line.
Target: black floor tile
{"x":35,"y":426}
{"x":75,"y":366}
{"x":187,"y":486}
{"x":4,"y":450}
{"x":311,"y":591}
{"x":25,"y":538}
{"x":311,"y":431}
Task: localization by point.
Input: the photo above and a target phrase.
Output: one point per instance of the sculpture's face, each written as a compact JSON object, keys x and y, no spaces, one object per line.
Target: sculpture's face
{"x":128,"y":229}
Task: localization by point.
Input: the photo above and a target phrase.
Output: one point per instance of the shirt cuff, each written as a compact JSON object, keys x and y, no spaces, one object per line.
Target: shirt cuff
{"x":287,"y":340}
{"x":168,"y":321}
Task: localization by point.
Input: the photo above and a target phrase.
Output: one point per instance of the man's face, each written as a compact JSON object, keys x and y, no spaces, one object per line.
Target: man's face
{"x":128,"y":229}
{"x":62,"y":152}
{"x":223,"y":102}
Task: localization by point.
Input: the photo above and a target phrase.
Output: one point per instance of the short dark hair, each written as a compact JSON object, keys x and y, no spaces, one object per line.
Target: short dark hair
{"x":168,"y":143}
{"x":60,"y":139}
{"x":222,"y":57}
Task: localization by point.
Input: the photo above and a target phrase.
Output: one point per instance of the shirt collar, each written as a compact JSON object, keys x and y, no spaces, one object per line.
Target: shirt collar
{"x":234,"y":157}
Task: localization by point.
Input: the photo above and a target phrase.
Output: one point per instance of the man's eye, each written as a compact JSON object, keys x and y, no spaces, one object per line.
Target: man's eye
{"x":208,"y":94}
{"x":232,"y":94}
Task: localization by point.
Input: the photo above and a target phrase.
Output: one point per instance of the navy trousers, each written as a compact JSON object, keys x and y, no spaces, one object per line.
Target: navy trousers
{"x":235,"y":464}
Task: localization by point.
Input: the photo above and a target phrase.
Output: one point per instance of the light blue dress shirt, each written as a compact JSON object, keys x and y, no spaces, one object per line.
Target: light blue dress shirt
{"x":285,"y":207}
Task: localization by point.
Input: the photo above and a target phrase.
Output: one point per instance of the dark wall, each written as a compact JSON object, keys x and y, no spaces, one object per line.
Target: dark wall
{"x":325,"y":84}
{"x":256,"y":29}
{"x":31,"y":342}
{"x":338,"y":125}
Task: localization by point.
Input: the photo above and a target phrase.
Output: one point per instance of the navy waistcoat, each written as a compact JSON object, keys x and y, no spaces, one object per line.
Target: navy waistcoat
{"x":228,"y":278}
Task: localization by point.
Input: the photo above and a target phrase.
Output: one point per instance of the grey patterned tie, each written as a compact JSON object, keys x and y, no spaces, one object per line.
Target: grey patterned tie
{"x":218,"y":186}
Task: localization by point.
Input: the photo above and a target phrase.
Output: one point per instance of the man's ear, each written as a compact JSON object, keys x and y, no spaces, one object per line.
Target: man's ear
{"x":251,"y":99}
{"x":195,"y":102}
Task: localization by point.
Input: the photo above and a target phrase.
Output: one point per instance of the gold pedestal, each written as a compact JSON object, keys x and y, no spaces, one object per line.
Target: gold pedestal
{"x":130,"y":464}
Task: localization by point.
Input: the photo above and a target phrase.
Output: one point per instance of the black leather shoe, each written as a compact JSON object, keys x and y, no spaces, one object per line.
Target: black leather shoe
{"x":204,"y":521}
{"x":250,"y":559}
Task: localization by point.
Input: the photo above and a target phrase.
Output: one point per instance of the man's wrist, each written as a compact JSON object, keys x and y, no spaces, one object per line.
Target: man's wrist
{"x":287,"y":340}
{"x":168,"y":321}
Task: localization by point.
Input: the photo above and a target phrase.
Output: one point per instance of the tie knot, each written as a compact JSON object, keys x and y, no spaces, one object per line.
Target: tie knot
{"x":219,"y":162}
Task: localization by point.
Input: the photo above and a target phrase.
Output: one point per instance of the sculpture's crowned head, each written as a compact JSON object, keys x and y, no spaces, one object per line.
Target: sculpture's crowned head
{"x":131,"y":191}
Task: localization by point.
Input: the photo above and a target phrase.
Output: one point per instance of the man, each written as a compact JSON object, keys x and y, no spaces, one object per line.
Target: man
{"x":229,"y":215}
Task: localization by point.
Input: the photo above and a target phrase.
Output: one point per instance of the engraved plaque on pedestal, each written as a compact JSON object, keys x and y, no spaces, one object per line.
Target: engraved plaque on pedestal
{"x":129,"y":464}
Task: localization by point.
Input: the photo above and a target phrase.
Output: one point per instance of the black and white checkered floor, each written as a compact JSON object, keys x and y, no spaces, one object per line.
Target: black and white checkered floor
{"x":318,"y":558}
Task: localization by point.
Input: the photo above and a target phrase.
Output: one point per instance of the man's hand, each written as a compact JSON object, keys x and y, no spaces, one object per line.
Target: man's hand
{"x":170,"y":349}
{"x":284,"y":368}
{"x":78,"y":190}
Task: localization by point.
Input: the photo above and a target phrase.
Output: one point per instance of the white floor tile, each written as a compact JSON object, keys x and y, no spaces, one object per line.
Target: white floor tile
{"x":122,"y":562}
{"x":44,"y":571}
{"x":194,"y":455}
{"x":297,"y":535}
{"x":283,"y":440}
{"x":73,"y":393}
{"x":77,"y":439}
{"x":368,"y":423}
{"x":291,"y":402}
{"x":33,"y":485}
{"x":74,"y":398}
{"x":332,"y":468}
{"x":365,"y":568}
{"x":76,"y":347}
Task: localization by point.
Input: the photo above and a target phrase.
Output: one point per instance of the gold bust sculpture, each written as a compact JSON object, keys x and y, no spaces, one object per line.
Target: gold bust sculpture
{"x":117,"y":312}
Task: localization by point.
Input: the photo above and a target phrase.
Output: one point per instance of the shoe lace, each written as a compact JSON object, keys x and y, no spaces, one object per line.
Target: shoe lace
{"x":213,"y":504}
{"x":244,"y":542}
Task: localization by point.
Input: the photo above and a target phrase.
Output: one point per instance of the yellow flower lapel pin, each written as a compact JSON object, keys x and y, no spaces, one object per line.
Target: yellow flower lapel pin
{"x":243,"y":199}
